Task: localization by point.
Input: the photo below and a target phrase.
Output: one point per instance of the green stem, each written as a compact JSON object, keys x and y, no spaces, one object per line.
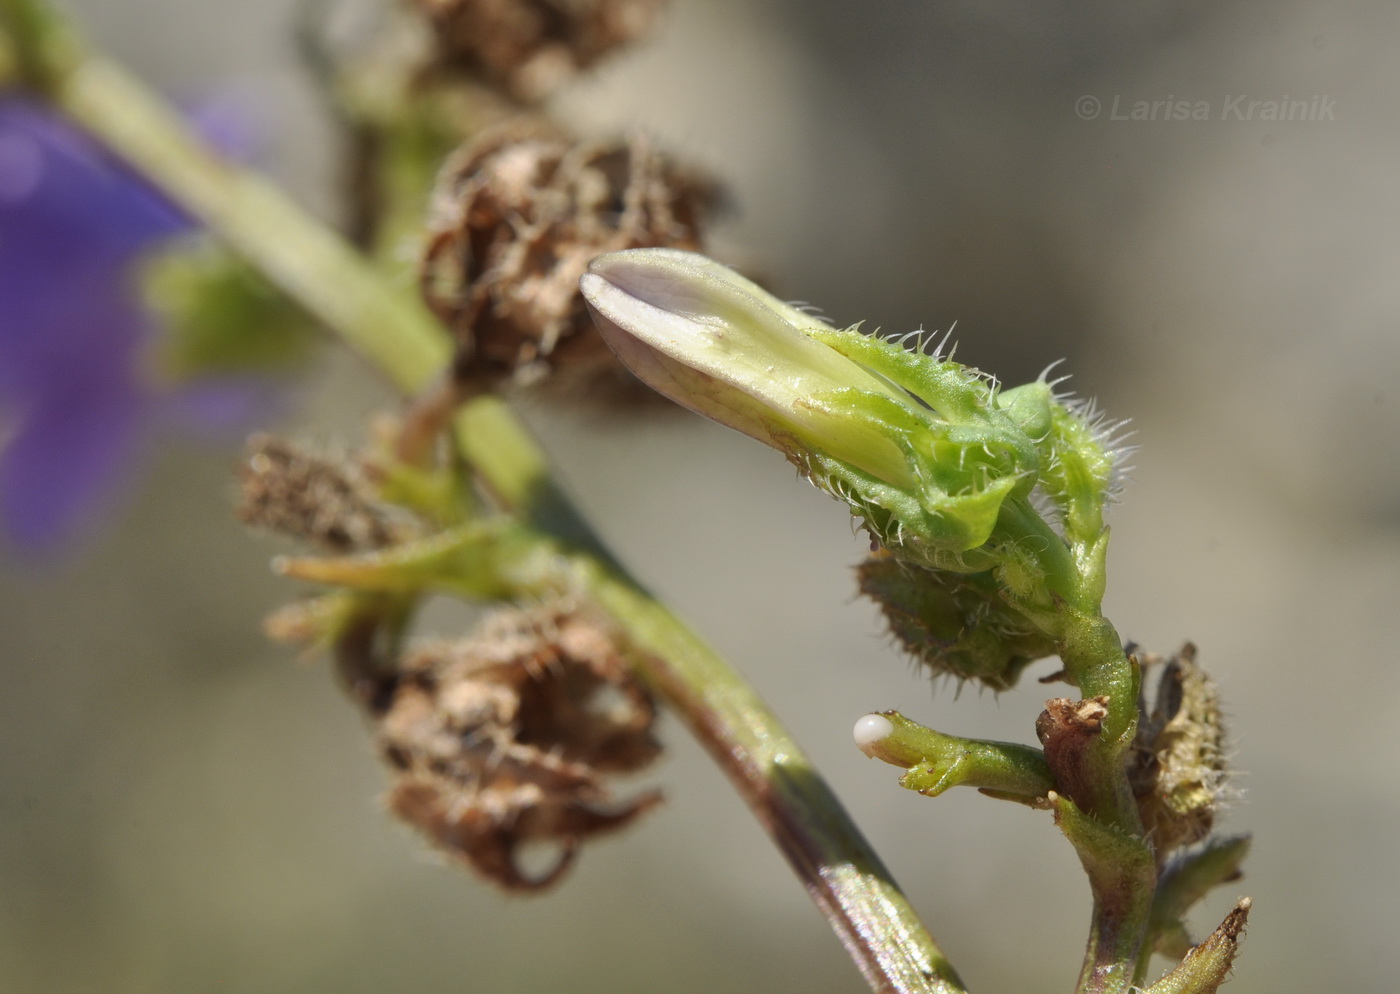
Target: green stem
{"x":1095,"y":662}
{"x":842,"y":874}
{"x":1108,"y":832}
{"x":1110,"y":839}
{"x":395,"y":332}
{"x":1122,"y":877}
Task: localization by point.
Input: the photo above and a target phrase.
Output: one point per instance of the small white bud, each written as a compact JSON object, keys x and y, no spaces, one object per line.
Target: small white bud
{"x":870,"y":731}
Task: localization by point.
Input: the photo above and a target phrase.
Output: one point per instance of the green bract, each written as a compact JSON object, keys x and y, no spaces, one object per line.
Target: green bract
{"x":956,"y":624}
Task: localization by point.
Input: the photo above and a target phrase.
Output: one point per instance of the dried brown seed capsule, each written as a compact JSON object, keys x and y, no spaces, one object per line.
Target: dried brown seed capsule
{"x":1179,"y":770}
{"x":529,"y":48}
{"x":503,"y":739}
{"x":293,"y":493}
{"x":517,"y":216}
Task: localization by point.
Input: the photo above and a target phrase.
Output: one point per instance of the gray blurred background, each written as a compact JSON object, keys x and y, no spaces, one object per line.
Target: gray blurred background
{"x":184,"y":808}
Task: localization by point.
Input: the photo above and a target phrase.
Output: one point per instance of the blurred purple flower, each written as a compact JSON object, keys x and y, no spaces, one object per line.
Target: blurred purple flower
{"x":74,"y":405}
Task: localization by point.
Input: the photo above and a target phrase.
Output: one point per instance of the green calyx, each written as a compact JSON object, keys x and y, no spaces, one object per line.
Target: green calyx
{"x":965,"y":455}
{"x":980,"y":563}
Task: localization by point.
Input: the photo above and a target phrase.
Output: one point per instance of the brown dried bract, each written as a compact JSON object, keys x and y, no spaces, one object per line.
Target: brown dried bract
{"x":531,"y":47}
{"x":293,"y":493}
{"x":503,"y":740}
{"x":1067,"y":729}
{"x":1179,"y":773}
{"x":517,"y":217}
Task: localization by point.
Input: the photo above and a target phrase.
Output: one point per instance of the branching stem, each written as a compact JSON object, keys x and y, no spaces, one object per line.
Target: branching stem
{"x":395,"y":332}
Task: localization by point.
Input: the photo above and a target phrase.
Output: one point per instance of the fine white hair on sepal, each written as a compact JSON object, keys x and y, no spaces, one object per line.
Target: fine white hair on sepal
{"x":1044,"y":505}
{"x":1113,"y":435}
{"x":1059,"y":398}
{"x":870,"y":731}
{"x":928,"y":343}
{"x":942,"y":344}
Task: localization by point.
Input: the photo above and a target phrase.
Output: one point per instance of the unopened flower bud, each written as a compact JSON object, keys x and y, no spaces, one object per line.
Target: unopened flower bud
{"x":917,"y":446}
{"x":1207,"y":966}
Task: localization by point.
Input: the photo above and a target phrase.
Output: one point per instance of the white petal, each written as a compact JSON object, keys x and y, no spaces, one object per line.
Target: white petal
{"x":714,"y":342}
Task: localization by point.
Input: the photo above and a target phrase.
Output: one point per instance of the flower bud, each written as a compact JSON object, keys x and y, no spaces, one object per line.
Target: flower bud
{"x":917,"y":445}
{"x":1207,"y":966}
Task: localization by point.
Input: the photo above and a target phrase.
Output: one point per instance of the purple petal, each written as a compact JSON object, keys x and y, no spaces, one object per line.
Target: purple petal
{"x":64,"y":462}
{"x":73,"y":222}
{"x":60,"y":185}
{"x":227,"y":124}
{"x":227,"y":406}
{"x":85,"y":329}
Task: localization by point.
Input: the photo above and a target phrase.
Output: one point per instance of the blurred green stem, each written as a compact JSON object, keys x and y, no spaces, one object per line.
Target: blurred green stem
{"x":396,"y":333}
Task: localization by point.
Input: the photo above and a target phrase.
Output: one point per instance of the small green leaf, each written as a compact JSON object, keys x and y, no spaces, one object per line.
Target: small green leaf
{"x":220,"y":316}
{"x":489,"y":559}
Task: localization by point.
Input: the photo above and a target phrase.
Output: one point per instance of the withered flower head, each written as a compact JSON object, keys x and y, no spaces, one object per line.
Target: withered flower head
{"x":324,"y":503}
{"x":503,"y":739}
{"x":530,"y":47}
{"x":517,"y":216}
{"x":1179,"y":771}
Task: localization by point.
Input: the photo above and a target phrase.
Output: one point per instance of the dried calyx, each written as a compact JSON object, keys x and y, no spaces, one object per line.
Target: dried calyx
{"x":517,"y":215}
{"x":325,"y":503}
{"x":529,"y":48}
{"x":504,"y":739}
{"x":1178,"y":772}
{"x":498,"y":742}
